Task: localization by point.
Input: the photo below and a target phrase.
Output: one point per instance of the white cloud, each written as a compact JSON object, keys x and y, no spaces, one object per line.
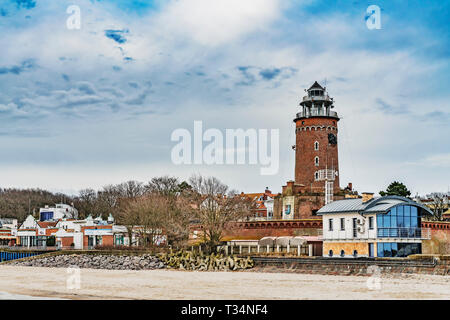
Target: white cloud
{"x":435,"y":160}
{"x":212,"y":23}
{"x":215,"y":37}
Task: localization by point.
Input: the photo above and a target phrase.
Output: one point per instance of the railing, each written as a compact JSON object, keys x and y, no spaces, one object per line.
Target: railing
{"x":317,"y":98}
{"x":326,"y":174}
{"x":30,"y":248}
{"x":247,"y":249}
{"x":260,"y":219}
{"x":317,"y":113}
{"x":417,"y":233}
{"x":7,"y":256}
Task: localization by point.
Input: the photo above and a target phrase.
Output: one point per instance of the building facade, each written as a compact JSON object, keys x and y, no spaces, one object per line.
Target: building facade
{"x":264,"y":202}
{"x":389,"y":226}
{"x":59,"y":211}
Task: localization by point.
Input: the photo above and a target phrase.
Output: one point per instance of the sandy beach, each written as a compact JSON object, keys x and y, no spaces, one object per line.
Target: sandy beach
{"x":168,"y":284}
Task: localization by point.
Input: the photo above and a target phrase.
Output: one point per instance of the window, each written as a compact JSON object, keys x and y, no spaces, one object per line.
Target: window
{"x":330,"y":253}
{"x":401,"y":221}
{"x":394,"y":249}
{"x":330,"y":225}
{"x":287,"y":209}
{"x":342,"y":253}
{"x":370,"y":223}
{"x":342,"y":224}
{"x":316,"y":146}
{"x":355,"y":253}
{"x":316,"y":161}
{"x":316,"y":175}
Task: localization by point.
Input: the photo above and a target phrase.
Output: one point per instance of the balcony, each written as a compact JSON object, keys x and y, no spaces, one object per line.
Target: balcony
{"x":318,"y":98}
{"x":317,"y":113}
{"x":380,"y":233}
{"x":414,"y":233}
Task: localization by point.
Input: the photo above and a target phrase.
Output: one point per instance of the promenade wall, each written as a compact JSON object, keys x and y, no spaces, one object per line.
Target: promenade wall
{"x":419,"y":264}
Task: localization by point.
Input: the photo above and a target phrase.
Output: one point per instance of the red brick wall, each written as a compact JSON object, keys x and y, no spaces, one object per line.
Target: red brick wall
{"x":66,"y":242}
{"x":305,"y":153}
{"x":259,"y":229}
{"x":107,"y":240}
{"x":440,"y":238}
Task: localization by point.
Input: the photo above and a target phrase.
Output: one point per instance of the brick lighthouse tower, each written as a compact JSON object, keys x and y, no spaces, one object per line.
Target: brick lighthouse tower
{"x":316,"y":150}
{"x":316,"y":159}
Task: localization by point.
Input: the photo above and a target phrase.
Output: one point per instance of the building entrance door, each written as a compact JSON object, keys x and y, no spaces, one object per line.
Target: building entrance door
{"x":371,"y":250}
{"x":91,"y":242}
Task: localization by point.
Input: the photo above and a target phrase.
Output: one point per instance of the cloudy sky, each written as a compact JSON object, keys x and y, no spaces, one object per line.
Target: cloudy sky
{"x":97,"y":105}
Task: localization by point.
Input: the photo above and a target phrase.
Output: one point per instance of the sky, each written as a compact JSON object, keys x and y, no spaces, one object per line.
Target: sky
{"x":97,"y":105}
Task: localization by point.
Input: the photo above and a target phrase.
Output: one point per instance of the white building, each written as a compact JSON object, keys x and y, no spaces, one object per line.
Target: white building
{"x":8,"y":223}
{"x":387,"y":226}
{"x":59,"y":211}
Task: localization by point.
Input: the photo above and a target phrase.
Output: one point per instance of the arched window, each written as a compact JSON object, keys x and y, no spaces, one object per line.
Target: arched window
{"x":355,"y":253}
{"x":316,"y":161}
{"x":316,"y":146}
{"x":330,"y":253}
{"x":342,"y":253}
{"x":316,"y":175}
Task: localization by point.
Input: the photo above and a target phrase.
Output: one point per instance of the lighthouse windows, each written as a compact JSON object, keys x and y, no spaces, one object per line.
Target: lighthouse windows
{"x":316,"y":146}
{"x":316,"y":161}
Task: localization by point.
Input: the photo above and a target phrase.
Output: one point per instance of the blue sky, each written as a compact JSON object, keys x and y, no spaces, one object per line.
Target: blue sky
{"x":89,"y":107}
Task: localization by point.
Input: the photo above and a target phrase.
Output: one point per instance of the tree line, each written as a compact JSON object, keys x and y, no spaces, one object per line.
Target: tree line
{"x":163,"y":205}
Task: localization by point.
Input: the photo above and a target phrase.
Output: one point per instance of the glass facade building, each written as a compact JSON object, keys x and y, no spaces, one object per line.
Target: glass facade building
{"x":399,"y":222}
{"x":388,"y":226}
{"x":394,"y":249}
{"x":402,"y":221}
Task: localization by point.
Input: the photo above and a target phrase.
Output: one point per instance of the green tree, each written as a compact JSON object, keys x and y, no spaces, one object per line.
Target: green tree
{"x":396,"y":189}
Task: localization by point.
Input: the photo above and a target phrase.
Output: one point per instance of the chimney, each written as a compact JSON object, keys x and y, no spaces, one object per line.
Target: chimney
{"x":366,"y":196}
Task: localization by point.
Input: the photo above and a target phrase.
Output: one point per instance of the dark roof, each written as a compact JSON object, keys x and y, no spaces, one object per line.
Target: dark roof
{"x":316,"y":85}
{"x":375,"y":205}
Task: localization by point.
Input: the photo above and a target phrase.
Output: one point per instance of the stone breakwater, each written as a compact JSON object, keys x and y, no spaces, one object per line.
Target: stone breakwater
{"x":109,"y":262}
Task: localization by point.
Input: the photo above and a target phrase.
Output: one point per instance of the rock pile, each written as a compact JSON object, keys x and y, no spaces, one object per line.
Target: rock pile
{"x":110,"y":262}
{"x":186,"y":260}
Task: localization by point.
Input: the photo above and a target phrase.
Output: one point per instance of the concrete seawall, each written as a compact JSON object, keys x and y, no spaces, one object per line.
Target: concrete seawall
{"x":363,"y":267}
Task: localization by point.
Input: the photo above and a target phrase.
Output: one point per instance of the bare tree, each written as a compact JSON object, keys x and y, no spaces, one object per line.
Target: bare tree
{"x":144,"y":215}
{"x":131,"y":189}
{"x":155,"y":214}
{"x":164,"y":185}
{"x":86,"y":202}
{"x":439,"y":205}
{"x":217,"y":207}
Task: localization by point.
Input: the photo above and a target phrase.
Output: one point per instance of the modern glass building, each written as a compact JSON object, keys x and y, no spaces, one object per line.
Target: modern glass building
{"x":373,"y":227}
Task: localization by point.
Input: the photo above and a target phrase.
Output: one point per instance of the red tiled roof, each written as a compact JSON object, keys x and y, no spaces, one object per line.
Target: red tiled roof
{"x":46,"y":224}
